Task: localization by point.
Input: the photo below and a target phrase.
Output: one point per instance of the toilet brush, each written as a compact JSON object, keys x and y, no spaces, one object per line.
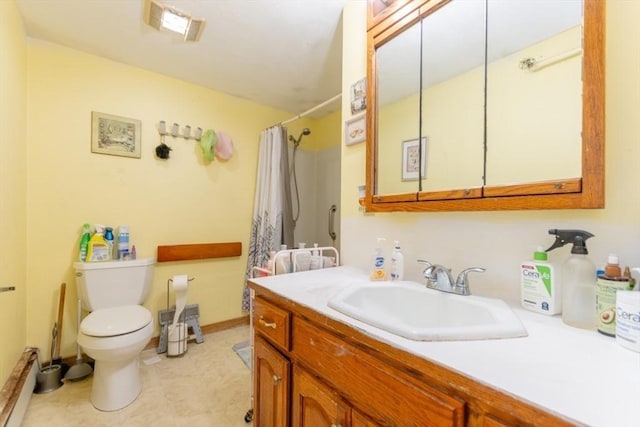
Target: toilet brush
{"x":81,"y":369}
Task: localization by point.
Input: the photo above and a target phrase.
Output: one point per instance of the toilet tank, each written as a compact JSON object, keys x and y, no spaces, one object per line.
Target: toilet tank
{"x":113,"y":283}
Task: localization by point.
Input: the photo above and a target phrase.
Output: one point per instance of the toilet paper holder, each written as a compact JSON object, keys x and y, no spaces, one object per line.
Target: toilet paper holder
{"x":169,"y":283}
{"x":189,"y":319}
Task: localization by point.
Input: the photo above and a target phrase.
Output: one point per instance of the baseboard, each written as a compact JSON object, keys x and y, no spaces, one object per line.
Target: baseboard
{"x":17,"y":390}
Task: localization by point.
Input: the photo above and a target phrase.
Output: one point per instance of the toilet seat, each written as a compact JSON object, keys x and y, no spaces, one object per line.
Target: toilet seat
{"x":114,"y":321}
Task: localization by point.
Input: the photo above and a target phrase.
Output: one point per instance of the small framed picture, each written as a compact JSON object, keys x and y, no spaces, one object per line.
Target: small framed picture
{"x":355,"y":130}
{"x":359,"y":96}
{"x":411,"y":163}
{"x":115,"y":135}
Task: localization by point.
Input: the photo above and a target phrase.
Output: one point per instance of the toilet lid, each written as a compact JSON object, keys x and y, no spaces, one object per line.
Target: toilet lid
{"x":109,"y":322}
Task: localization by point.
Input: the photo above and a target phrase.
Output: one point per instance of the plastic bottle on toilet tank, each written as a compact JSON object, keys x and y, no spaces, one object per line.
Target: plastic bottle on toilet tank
{"x":108,"y":237}
{"x":84,"y":242}
{"x":123,"y":242}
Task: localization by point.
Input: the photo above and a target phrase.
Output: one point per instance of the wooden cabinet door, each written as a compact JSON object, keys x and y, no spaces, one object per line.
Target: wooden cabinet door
{"x":360,"y":420}
{"x":271,"y":386}
{"x":314,"y":404}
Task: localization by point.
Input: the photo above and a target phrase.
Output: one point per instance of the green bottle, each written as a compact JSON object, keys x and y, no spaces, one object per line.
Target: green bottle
{"x":84,"y":243}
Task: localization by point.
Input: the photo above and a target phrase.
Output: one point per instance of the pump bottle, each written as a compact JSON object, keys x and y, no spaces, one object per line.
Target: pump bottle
{"x":397,"y":263}
{"x":578,"y":280}
{"x":378,"y":272}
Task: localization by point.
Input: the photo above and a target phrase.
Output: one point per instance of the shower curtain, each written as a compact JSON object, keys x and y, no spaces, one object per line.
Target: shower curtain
{"x":272,"y":223}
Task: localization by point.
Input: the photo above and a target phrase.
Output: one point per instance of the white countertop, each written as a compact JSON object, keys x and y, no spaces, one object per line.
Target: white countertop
{"x":577,"y":373}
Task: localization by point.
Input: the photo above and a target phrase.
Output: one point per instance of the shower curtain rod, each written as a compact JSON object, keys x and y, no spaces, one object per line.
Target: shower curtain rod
{"x":311,"y":110}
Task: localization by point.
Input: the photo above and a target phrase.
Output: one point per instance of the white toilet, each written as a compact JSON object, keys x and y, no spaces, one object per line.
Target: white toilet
{"x":118,"y":327}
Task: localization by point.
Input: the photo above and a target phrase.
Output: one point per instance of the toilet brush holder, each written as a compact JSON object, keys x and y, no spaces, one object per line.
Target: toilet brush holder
{"x":177,"y":345}
{"x":48,"y":379}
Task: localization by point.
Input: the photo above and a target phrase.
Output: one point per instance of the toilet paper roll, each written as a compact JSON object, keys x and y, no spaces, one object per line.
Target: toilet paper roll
{"x":180,"y":285}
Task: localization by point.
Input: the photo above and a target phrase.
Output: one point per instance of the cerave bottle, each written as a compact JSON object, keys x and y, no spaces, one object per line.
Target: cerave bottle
{"x":539,"y":288}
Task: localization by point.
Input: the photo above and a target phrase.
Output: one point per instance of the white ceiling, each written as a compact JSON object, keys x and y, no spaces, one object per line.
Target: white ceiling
{"x":286,"y":54}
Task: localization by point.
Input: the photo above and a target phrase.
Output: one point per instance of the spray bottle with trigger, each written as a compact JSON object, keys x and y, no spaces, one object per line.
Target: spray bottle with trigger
{"x":578,"y":280}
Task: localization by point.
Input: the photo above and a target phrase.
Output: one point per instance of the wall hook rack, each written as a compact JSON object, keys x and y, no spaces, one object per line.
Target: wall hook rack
{"x":175,"y":131}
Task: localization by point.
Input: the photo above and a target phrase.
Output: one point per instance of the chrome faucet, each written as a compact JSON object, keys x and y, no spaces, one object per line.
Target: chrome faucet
{"x":439,"y":277}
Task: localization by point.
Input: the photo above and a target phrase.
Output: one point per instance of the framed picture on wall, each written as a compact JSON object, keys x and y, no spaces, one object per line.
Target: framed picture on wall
{"x":115,"y":135}
{"x":355,"y":130}
{"x":359,"y":96}
{"x":411,"y":163}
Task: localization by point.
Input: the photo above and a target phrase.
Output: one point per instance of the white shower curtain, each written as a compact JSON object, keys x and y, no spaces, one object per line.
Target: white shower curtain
{"x":272,"y":223}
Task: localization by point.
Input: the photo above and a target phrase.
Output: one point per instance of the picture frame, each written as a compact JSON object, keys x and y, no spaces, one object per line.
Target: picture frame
{"x":410,"y":157}
{"x":359,"y":96}
{"x":115,"y":135}
{"x":355,"y":130}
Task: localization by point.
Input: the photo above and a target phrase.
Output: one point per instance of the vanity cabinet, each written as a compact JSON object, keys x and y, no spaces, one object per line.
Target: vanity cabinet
{"x":271,"y":382}
{"x":311,"y":370}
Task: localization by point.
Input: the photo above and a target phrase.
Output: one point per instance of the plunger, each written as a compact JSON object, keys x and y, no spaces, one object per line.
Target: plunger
{"x":81,"y":369}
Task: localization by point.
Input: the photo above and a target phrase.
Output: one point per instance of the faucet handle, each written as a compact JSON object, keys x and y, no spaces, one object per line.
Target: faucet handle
{"x":462,"y":283}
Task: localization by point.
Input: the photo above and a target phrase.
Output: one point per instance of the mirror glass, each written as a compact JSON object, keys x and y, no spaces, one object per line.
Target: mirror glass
{"x":398,"y":90}
{"x":453,"y":48}
{"x":534,"y":90}
{"x":485,"y":95}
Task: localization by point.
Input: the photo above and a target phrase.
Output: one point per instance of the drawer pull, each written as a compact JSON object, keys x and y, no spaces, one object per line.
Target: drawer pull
{"x":276,"y":379}
{"x":267,"y":324}
{"x":335,"y":425}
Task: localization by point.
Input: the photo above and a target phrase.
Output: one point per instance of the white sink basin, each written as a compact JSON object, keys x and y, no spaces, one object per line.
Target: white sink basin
{"x":413,"y":311}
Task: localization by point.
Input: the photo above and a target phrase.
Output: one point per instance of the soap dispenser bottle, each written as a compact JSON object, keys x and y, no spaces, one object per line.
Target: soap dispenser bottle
{"x":578,"y":280}
{"x":378,"y":273}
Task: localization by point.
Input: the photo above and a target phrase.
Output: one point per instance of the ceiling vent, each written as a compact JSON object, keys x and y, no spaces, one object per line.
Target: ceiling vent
{"x":166,"y":18}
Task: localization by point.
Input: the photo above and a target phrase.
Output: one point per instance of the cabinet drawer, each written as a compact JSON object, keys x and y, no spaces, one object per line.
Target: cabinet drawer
{"x":272,"y":322}
{"x":383,"y":392}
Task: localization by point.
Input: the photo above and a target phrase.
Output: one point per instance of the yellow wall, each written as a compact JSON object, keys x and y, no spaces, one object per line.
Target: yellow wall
{"x":499,"y":241}
{"x":175,"y":201}
{"x":325,"y":131}
{"x":13,"y":178}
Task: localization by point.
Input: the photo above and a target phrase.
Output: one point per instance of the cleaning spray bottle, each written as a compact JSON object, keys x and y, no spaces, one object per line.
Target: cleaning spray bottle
{"x":84,"y":242}
{"x":578,"y":280}
{"x":98,"y":249}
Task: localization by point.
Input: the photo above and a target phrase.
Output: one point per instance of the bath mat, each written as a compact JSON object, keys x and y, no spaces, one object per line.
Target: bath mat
{"x":243,"y":350}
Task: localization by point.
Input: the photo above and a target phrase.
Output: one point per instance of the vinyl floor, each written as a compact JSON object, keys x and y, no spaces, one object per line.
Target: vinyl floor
{"x":209,"y":386}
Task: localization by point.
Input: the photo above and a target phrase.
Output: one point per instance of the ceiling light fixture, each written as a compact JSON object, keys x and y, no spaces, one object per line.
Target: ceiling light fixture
{"x":163,"y":17}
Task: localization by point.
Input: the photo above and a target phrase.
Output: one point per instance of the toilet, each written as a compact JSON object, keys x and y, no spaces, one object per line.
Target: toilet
{"x":117,"y":328}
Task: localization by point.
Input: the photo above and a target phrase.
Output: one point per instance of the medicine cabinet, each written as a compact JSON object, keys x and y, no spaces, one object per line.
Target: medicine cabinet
{"x":485,"y":105}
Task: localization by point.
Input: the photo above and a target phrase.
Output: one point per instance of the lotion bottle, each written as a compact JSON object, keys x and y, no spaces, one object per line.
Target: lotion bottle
{"x":540,"y":290}
{"x":283,"y":262}
{"x":316,"y":260}
{"x":302,"y":258}
{"x":397,"y":263}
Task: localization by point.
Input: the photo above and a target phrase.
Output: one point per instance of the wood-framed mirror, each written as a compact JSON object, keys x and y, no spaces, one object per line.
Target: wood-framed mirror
{"x":578,"y":185}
